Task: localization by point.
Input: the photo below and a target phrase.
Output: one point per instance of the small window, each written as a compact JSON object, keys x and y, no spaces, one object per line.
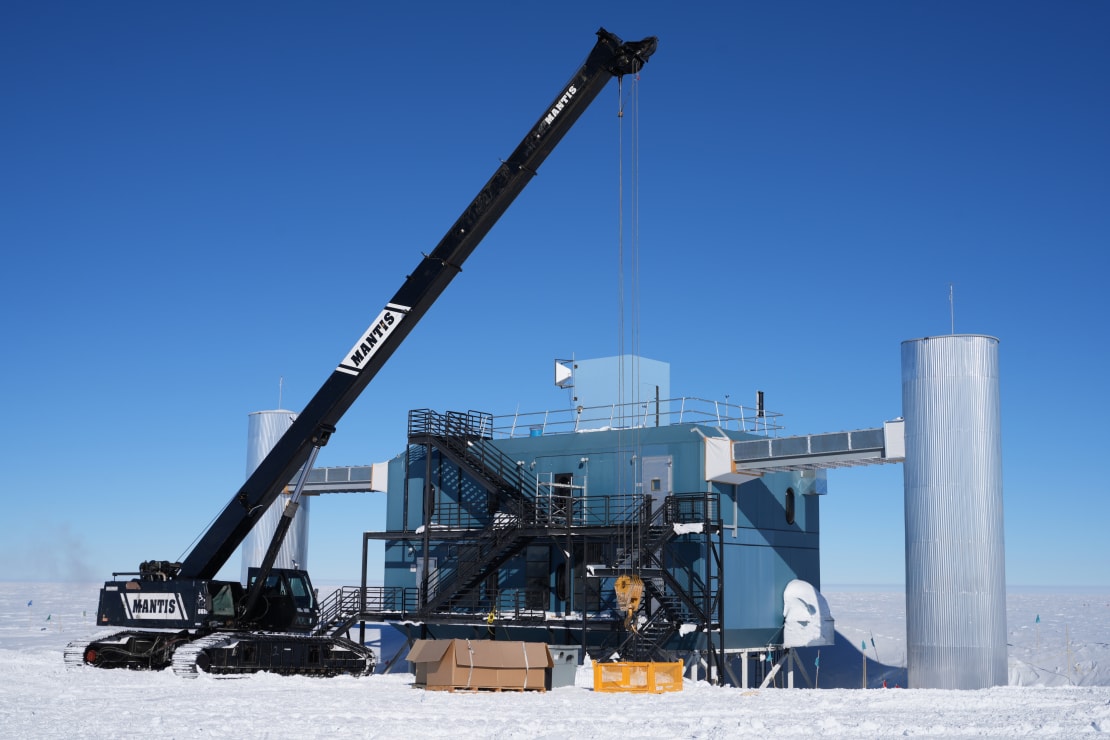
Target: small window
{"x":656,"y":484}
{"x":302,"y":597}
{"x":789,"y":506}
{"x":224,"y":603}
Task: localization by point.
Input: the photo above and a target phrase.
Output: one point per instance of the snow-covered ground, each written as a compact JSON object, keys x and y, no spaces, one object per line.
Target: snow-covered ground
{"x":1059,"y":676}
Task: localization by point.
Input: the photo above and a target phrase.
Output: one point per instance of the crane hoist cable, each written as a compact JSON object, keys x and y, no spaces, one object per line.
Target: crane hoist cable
{"x":629,"y":586}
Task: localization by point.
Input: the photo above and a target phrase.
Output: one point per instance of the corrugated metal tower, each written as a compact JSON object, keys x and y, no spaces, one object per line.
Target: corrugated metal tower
{"x":955,"y":557}
{"x":264,"y":429}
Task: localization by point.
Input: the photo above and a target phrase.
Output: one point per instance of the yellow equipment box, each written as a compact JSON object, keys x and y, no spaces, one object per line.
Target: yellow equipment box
{"x":651,"y":678}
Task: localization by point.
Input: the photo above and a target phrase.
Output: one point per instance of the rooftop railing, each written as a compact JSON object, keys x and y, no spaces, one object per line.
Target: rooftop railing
{"x":638,"y":415}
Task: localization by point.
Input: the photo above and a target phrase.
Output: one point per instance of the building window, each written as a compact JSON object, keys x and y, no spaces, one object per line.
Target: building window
{"x":656,"y":485}
{"x":789,"y":506}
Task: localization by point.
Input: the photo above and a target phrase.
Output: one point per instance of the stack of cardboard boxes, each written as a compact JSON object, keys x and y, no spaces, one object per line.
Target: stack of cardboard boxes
{"x":480,"y":665}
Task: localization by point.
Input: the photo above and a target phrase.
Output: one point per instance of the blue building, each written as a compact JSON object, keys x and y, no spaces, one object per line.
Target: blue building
{"x":624,"y":528}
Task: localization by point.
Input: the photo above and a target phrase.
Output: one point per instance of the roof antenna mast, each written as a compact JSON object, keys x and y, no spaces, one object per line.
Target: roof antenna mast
{"x":951,"y":308}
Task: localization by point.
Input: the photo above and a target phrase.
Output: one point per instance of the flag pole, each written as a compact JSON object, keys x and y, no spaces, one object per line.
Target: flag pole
{"x":863,"y":654}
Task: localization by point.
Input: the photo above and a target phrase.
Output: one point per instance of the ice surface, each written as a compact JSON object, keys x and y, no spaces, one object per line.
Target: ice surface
{"x":1059,"y":668}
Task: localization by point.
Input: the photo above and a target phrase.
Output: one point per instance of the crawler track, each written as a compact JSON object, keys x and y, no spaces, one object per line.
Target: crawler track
{"x":224,"y":654}
{"x":136,"y":650}
{"x":243,"y":653}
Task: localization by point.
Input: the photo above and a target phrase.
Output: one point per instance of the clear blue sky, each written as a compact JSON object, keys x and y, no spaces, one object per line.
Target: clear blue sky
{"x":197,"y":199}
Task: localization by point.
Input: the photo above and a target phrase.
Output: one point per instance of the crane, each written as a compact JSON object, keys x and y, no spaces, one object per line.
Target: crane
{"x":176,"y":613}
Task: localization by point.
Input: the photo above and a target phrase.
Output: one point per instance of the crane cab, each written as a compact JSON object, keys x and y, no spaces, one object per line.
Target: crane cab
{"x":287,"y":603}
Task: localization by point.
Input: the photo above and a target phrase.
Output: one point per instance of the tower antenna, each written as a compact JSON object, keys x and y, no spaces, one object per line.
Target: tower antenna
{"x":951,"y":308}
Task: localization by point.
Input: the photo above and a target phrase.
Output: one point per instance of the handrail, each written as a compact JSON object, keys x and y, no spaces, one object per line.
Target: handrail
{"x":468,"y":434}
{"x":347,"y":602}
{"x":502,"y":531}
{"x":680,"y":410}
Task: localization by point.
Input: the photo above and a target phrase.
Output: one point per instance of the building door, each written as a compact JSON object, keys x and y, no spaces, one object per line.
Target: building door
{"x":537,"y":577}
{"x":655,"y":473}
{"x":433,"y":575}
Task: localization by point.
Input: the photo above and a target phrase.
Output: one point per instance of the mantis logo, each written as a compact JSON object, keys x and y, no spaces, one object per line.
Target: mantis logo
{"x":159,"y":606}
{"x":371,"y":339}
{"x":560,"y":104}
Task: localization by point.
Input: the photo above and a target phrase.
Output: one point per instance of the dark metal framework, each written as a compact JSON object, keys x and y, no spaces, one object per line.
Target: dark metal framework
{"x":675,"y":548}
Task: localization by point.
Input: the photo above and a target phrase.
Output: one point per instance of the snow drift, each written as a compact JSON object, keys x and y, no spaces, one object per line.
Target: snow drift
{"x":808,"y":621}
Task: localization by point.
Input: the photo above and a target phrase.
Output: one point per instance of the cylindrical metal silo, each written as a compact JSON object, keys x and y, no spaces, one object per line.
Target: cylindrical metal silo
{"x":955,"y":558}
{"x":264,"y":429}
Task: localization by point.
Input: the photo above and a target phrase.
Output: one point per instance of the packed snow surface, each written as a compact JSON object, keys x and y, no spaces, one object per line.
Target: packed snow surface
{"x":1059,"y":658}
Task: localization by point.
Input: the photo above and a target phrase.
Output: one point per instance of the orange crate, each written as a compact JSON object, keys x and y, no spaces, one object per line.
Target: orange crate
{"x":652,"y":678}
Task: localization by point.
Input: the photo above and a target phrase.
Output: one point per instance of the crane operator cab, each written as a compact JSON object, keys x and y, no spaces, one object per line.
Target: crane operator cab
{"x":287,"y":601}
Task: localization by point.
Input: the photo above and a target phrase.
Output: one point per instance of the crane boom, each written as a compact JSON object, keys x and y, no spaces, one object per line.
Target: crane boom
{"x":176,"y":614}
{"x":609,"y":57}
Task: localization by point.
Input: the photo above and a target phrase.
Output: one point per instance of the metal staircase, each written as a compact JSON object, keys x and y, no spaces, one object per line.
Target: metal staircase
{"x":477,"y":559}
{"x":506,"y":509}
{"x":464,"y":438}
{"x":346,"y":605}
{"x":663,"y":622}
{"x":676,"y":592}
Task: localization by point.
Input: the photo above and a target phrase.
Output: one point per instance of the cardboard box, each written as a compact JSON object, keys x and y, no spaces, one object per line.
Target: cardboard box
{"x":480,"y":664}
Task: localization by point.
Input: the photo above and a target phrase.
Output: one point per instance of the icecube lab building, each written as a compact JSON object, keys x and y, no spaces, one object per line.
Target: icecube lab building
{"x":530,"y":526}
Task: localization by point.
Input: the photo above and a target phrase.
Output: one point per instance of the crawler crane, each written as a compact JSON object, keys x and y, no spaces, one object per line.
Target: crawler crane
{"x":176,"y":613}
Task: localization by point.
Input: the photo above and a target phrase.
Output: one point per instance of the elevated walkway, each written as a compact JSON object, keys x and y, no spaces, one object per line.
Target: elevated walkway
{"x":733,"y":461}
{"x":347,"y":479}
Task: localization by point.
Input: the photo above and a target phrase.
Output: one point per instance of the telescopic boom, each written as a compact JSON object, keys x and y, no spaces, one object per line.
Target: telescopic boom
{"x":609,"y":58}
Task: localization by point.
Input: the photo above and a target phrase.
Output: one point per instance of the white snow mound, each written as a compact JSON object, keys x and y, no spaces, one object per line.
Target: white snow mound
{"x":808,"y":620}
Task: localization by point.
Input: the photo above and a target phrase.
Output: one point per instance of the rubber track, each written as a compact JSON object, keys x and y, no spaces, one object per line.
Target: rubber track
{"x":185,"y":659}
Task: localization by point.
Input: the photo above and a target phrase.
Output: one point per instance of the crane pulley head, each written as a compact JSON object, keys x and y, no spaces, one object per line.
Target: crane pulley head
{"x":629,"y":56}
